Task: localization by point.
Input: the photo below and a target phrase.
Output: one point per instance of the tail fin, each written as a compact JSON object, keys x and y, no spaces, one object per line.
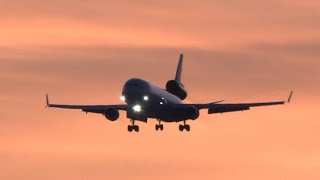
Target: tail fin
{"x":175,"y":86}
{"x":179,"y":69}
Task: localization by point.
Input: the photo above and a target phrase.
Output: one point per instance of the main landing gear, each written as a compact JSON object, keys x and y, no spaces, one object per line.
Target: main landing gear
{"x":133,"y":127}
{"x":159,"y":126}
{"x":184,"y":126}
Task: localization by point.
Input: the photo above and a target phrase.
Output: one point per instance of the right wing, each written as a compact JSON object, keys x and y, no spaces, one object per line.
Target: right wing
{"x":217,"y":107}
{"x":88,"y":108}
{"x":223,"y":108}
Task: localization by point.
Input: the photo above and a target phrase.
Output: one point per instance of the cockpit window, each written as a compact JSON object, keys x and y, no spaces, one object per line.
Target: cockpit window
{"x":137,"y":83}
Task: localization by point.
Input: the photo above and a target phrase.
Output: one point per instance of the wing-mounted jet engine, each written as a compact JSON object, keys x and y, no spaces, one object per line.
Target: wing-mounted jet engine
{"x":111,"y":113}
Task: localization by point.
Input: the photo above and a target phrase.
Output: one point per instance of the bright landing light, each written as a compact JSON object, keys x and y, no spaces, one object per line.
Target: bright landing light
{"x":122,"y":98}
{"x":146,"y":98}
{"x":137,"y":108}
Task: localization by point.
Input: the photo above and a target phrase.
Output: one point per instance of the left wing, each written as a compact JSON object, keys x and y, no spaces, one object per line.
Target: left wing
{"x":88,"y":108}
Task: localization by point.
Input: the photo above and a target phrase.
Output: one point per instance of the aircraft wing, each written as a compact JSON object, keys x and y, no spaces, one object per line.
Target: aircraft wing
{"x":88,"y":108}
{"x":217,"y":107}
{"x":223,"y":108}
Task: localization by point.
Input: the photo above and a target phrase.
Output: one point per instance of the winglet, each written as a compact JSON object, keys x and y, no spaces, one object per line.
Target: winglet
{"x":179,"y":69}
{"x":47,"y":99}
{"x":290,"y":96}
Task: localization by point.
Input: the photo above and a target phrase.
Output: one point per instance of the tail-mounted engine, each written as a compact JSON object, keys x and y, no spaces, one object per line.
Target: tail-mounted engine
{"x":176,"y":88}
{"x":111,"y":113}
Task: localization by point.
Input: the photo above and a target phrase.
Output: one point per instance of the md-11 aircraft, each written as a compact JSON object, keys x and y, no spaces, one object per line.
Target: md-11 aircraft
{"x":144,"y":100}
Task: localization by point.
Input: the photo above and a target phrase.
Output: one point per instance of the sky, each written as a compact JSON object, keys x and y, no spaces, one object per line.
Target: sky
{"x":82,"y":52}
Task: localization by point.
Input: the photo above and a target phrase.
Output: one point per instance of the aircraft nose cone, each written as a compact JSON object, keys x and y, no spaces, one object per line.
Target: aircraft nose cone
{"x":134,"y":89}
{"x":136,"y":84}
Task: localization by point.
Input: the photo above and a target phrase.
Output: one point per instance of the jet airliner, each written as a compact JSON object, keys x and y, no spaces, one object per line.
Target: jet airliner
{"x":143,"y":101}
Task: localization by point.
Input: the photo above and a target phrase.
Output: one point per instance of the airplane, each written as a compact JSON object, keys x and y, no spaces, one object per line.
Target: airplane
{"x":143,"y":101}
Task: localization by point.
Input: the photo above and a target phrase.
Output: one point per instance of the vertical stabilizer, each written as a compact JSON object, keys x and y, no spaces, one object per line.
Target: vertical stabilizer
{"x":179,"y":69}
{"x":175,"y":86}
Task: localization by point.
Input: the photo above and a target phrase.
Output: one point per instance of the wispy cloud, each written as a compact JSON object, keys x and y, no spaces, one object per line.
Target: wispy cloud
{"x":83,"y":52}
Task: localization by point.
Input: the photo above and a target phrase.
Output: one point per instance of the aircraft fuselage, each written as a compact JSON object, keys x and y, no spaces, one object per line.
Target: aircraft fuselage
{"x":146,"y":101}
{"x":149,"y":101}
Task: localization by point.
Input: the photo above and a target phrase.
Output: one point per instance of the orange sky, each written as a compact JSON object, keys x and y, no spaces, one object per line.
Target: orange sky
{"x":240,"y":51}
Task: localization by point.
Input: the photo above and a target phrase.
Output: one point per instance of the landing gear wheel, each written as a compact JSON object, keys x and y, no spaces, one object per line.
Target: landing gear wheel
{"x":130,"y":128}
{"x":187,"y":127}
{"x":159,"y":126}
{"x":136,"y":128}
{"x":181,"y":127}
{"x":184,"y":126}
{"x":133,"y":127}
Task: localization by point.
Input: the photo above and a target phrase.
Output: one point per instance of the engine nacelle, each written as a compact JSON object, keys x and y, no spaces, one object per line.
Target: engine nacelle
{"x":192,"y":112}
{"x":176,"y":88}
{"x":111,"y":113}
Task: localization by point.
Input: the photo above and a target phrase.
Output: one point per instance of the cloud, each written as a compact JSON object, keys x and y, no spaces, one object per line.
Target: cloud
{"x":262,"y":67}
{"x":179,"y":24}
{"x":82,"y":52}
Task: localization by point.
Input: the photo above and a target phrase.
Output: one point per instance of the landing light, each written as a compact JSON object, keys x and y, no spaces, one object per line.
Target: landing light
{"x":146,"y":98}
{"x":137,"y":108}
{"x":123,"y":98}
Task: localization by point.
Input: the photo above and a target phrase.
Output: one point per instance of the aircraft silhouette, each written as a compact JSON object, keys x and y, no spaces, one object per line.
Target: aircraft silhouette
{"x":145,"y":100}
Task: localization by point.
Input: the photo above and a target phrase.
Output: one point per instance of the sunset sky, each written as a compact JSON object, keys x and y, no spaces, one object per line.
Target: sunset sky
{"x":82,"y":52}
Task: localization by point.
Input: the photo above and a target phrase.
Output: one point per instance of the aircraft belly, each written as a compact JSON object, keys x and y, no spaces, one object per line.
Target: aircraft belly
{"x":164,"y":114}
{"x":170,"y":114}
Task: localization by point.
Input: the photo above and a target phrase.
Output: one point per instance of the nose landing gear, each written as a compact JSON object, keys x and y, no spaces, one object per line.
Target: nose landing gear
{"x":159,"y":126}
